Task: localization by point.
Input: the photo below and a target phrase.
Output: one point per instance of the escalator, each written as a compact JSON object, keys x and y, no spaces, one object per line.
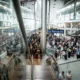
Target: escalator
{"x":39,"y":73}
{"x":31,"y":71}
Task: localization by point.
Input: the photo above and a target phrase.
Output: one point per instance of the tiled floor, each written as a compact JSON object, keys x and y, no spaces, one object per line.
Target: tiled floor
{"x":63,"y":61}
{"x":74,"y":67}
{"x":72,"y":64}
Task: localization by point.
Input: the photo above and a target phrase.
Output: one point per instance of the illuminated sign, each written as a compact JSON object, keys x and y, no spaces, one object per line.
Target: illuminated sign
{"x":56,"y":31}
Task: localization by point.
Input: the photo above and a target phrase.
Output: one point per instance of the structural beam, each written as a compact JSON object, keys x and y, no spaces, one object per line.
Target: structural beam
{"x":74,"y":9}
{"x":43,"y":24}
{"x":34,"y":16}
{"x":49,"y":13}
{"x":64,"y":29}
{"x":16,"y":4}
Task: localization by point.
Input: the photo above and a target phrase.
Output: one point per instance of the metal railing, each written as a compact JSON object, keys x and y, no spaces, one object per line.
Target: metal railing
{"x":16,"y":4}
{"x":32,"y":69}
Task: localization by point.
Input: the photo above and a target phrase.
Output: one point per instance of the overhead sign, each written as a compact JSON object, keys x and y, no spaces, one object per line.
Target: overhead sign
{"x":56,"y":31}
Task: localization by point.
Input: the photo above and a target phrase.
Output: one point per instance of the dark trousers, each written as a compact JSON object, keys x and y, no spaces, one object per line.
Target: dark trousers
{"x":69,"y":54}
{"x":0,"y":77}
{"x":65,"y":57}
{"x":6,"y":77}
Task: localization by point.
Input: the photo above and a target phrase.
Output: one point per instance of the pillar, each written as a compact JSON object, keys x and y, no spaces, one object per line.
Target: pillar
{"x":71,"y":28}
{"x":16,"y":4}
{"x":34,"y":16}
{"x":74,"y":9}
{"x":49,"y":13}
{"x":64,"y":29}
{"x":43,"y":24}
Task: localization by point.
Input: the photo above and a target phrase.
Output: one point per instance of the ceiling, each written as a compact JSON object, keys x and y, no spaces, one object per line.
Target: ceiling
{"x":54,"y":6}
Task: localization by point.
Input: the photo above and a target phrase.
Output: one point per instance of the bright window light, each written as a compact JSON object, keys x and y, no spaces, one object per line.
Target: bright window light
{"x":78,"y":3}
{"x":35,"y":6}
{"x":39,"y":2}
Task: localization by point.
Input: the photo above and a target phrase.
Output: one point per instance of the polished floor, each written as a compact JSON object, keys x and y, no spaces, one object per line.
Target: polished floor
{"x":73,"y":66}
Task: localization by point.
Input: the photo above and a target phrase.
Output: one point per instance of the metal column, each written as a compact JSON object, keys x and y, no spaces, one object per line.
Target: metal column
{"x":43,"y":24}
{"x":64,"y":29}
{"x":74,"y":9}
{"x":71,"y":28}
{"x":16,"y":4}
{"x":34,"y":16}
{"x":49,"y":14}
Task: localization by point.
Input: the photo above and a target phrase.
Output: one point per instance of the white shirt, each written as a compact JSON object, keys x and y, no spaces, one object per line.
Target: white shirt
{"x":61,"y":77}
{"x":63,"y":53}
{"x":68,"y":75}
{"x":61,"y":48}
{"x":48,"y":45}
{"x":53,"y":42}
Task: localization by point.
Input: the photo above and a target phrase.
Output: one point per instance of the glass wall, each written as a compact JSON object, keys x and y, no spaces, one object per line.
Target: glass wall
{"x":70,"y":12}
{"x":31,"y":13}
{"x":11,"y":39}
{"x":78,"y":10}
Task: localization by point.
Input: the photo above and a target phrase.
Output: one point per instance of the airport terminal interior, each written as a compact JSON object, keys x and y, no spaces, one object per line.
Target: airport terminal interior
{"x":39,"y":39}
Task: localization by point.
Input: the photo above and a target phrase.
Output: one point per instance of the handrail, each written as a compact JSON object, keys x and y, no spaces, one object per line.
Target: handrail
{"x":32,"y":68}
{"x":16,"y":4}
{"x":17,"y":8}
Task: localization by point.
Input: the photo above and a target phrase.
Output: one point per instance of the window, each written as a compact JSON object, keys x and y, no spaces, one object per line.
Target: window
{"x":78,"y":15}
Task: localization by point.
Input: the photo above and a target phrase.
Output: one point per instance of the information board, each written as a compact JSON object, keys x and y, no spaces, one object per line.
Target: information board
{"x":55,"y":31}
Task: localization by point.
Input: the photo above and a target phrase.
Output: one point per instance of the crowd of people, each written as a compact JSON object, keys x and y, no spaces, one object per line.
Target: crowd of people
{"x":63,"y":47}
{"x":35,"y":46}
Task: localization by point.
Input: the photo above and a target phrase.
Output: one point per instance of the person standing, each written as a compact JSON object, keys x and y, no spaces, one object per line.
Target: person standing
{"x":62,"y":76}
{"x":0,"y":73}
{"x":0,"y":70}
{"x":69,"y":52}
{"x":5,"y":72}
{"x":56,"y":55}
{"x":69,"y":77}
